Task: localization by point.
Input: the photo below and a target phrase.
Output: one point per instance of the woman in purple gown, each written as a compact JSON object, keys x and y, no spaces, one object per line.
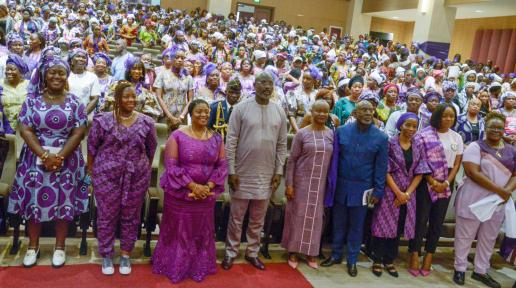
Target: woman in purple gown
{"x":196,"y":169}
{"x":121,"y":146}
{"x":49,"y":182}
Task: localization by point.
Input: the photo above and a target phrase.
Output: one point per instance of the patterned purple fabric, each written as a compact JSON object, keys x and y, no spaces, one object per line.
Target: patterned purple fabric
{"x":385,"y":215}
{"x":46,"y":196}
{"x":435,"y":158}
{"x":186,"y":245}
{"x":121,"y":176}
{"x":437,"y":49}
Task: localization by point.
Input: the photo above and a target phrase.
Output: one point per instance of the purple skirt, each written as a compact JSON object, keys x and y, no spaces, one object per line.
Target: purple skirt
{"x":186,"y":245}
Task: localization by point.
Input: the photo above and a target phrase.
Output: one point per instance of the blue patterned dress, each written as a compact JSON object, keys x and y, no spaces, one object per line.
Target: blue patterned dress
{"x":40,"y":195}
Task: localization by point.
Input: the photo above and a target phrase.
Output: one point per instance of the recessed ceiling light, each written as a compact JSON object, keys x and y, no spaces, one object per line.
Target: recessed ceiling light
{"x":478,"y":11}
{"x":395,"y":17}
{"x":300,"y":15}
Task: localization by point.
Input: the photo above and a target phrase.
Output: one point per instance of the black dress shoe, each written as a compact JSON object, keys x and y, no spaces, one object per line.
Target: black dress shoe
{"x":227,"y":263}
{"x":255,"y":261}
{"x":486,"y":279}
{"x":377,"y":269}
{"x":391,"y":270}
{"x":330,"y":262}
{"x":352,"y":270}
{"x":459,"y":277}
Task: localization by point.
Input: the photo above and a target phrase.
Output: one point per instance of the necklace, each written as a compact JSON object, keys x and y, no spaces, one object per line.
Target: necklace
{"x":52,"y":97}
{"x":123,"y":118}
{"x":499,"y":147}
{"x":196,"y":135}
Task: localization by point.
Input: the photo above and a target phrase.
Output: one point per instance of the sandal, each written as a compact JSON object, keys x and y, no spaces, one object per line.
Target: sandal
{"x":391,"y":270}
{"x":293,"y":261}
{"x":377,"y":269}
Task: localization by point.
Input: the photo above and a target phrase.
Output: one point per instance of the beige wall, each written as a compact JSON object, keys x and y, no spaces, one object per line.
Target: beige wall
{"x":388,"y":5}
{"x":184,"y":4}
{"x":316,"y":13}
{"x":465,"y":29}
{"x":402,"y":30}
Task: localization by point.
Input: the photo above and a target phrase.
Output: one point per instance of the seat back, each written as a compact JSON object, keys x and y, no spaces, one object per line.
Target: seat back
{"x":162,"y":133}
{"x":161,"y":170}
{"x":9,"y":170}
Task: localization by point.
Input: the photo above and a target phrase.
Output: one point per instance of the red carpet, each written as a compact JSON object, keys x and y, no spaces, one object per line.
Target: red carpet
{"x":90,"y":276}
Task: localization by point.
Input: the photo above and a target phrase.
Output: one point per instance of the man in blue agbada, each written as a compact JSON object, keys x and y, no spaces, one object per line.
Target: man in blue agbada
{"x":362,"y":167}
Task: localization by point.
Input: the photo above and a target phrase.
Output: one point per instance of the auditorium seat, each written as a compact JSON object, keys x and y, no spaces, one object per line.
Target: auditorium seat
{"x":6,"y":181}
{"x":154,"y":200}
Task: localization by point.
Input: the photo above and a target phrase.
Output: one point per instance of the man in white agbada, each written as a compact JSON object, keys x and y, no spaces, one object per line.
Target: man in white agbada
{"x":256,"y":148}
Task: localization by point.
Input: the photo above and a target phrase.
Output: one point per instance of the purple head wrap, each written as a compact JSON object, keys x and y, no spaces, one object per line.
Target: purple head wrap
{"x":449,"y":85}
{"x":37,"y":80}
{"x":18,"y":62}
{"x":208,"y":69}
{"x":171,"y":52}
{"x":130,"y":62}
{"x":13,"y":38}
{"x":75,"y":41}
{"x":75,"y":52}
{"x":369,"y":96}
{"x":404,"y":117}
{"x":315,"y":72}
{"x":431,"y":95}
{"x":273,"y":71}
{"x":414,"y":91}
{"x":100,"y":55}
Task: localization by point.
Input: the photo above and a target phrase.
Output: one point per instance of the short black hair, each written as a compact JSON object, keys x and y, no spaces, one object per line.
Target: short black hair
{"x":194,"y":103}
{"x":437,"y":115}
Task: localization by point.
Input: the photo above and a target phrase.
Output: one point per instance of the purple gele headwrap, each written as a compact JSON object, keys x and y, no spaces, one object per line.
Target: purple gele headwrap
{"x":449,"y":85}
{"x":100,"y":55}
{"x":75,"y":52}
{"x":209,"y":68}
{"x":431,"y":95}
{"x":369,"y":96}
{"x":18,"y":62}
{"x":13,"y":38}
{"x":315,"y":72}
{"x":404,"y":117}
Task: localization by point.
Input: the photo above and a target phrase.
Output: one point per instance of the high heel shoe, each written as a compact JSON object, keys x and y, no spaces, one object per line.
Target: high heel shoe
{"x":293,"y":262}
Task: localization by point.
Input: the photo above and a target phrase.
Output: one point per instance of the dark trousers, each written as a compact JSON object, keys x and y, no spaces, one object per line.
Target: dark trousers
{"x":431,"y":214}
{"x":385,"y":250}
{"x":348,"y":224}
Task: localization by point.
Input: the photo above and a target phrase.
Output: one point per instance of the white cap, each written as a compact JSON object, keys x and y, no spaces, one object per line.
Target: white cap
{"x":258,"y":54}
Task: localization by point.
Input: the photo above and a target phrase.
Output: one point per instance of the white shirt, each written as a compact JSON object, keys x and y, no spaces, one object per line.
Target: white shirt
{"x":84,"y":85}
{"x":453,"y":145}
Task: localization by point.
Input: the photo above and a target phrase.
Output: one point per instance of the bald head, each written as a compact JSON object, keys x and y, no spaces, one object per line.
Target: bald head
{"x":364,"y":112}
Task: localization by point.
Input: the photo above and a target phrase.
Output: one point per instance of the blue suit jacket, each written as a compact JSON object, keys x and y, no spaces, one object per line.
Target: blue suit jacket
{"x":213,"y":112}
{"x":362,"y":164}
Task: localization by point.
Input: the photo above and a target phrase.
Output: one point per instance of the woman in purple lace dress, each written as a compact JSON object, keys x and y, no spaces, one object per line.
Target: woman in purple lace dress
{"x":195,"y":172}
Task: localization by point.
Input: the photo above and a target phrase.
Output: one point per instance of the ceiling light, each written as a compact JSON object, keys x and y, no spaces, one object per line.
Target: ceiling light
{"x":478,"y":11}
{"x":395,"y":17}
{"x":300,"y":15}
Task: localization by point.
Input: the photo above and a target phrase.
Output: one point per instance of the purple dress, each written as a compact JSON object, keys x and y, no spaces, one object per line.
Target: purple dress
{"x":307,"y":170}
{"x":385,"y":215}
{"x":186,"y":245}
{"x":121,"y":176}
{"x":43,"y":196}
